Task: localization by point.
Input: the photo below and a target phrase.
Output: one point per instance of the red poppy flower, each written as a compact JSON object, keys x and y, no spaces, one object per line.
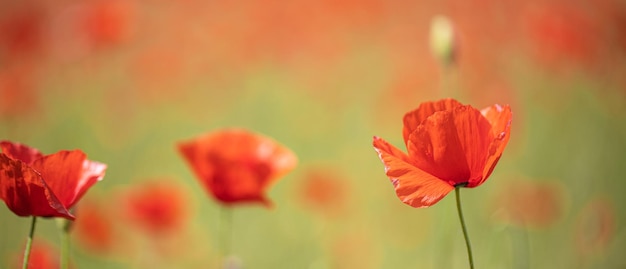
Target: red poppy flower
{"x":156,"y":207}
{"x":33,"y":184}
{"x":236,"y":165}
{"x":449,"y":144}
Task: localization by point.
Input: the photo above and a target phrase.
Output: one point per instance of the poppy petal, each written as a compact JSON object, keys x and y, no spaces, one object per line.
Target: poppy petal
{"x":69,"y":174}
{"x":26,"y":193}
{"x":413,"y":186}
{"x":280,"y":159}
{"x":452,"y":145}
{"x":20,"y":152}
{"x":414,"y":118}
{"x":236,"y":165}
{"x":500,"y":119}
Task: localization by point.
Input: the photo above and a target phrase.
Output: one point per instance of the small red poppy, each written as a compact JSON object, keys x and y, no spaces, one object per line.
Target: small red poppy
{"x":33,"y":184}
{"x":449,"y":144}
{"x":236,"y":165}
{"x":156,"y":207}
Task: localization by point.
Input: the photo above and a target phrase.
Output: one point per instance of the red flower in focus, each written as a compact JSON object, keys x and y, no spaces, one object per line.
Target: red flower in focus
{"x":449,"y":145}
{"x":32,"y":184}
{"x":156,"y":207}
{"x":236,"y":165}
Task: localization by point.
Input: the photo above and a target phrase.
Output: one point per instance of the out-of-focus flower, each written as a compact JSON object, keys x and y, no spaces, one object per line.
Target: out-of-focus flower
{"x":157,"y":208}
{"x":236,"y":165}
{"x":17,"y":90}
{"x":42,"y":256}
{"x":530,"y":204}
{"x":443,"y":39}
{"x":21,"y":32}
{"x":93,"y":228}
{"x":107,"y":23}
{"x":595,"y":226}
{"x":80,"y":29}
{"x":33,"y":184}
{"x":324,"y":191}
{"x":562,"y":35}
{"x":449,"y":144}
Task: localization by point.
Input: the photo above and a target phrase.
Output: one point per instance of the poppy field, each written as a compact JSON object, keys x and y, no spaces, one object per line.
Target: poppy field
{"x":312,"y":134}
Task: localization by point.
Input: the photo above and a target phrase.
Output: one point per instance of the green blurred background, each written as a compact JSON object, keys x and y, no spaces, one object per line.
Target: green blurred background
{"x":125,"y":80}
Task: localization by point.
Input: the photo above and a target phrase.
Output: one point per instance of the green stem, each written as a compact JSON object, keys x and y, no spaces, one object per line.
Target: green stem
{"x":224,"y":231}
{"x":29,"y":243}
{"x":467,"y":241}
{"x":65,"y":248}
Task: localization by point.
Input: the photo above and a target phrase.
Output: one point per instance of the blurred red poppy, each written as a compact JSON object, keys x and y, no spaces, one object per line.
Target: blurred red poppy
{"x":21,"y":31}
{"x":42,"y":256}
{"x":449,"y":144}
{"x":107,"y":23}
{"x":156,"y":207}
{"x":236,"y":165}
{"x":324,"y":191}
{"x":564,"y":35}
{"x":595,"y":226}
{"x":94,"y":229}
{"x":18,"y":90}
{"x":33,"y":184}
{"x":527,"y":203}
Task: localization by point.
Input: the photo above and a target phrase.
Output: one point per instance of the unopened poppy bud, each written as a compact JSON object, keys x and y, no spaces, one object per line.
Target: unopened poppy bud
{"x":443,"y":39}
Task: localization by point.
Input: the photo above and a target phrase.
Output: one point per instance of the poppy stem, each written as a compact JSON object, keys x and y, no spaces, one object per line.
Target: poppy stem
{"x":65,"y":249}
{"x":64,"y":226}
{"x":225,"y":231}
{"x":457,"y":191}
{"x":29,"y":243}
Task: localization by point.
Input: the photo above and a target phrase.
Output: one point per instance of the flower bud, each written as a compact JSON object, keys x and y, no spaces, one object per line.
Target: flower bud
{"x":443,"y":39}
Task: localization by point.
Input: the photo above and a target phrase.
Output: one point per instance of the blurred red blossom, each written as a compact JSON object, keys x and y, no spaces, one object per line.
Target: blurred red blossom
{"x":18,"y":96}
{"x":94,"y":228}
{"x":325,"y":191}
{"x":595,"y":226}
{"x":449,"y":144}
{"x":236,"y":165}
{"x":530,"y":203}
{"x":21,"y":31}
{"x":82,"y":28}
{"x":108,"y":23}
{"x":156,"y":207}
{"x":42,"y":256}
{"x":562,"y":35}
{"x":33,"y":184}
